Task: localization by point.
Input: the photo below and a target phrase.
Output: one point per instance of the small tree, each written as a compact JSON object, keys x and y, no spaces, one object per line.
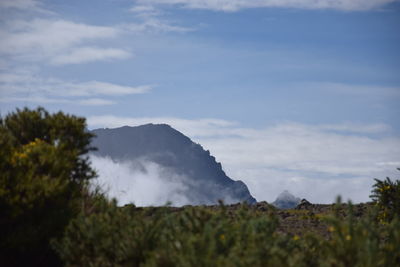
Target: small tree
{"x":386,"y":195}
{"x":44,"y":172}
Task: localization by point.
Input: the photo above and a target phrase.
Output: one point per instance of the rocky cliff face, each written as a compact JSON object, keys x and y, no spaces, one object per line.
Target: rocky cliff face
{"x":205,"y":181}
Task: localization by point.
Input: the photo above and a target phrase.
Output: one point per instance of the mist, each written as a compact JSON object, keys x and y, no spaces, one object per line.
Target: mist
{"x":140,"y":182}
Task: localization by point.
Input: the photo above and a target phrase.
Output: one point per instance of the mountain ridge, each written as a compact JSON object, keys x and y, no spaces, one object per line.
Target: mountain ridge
{"x":162,"y":144}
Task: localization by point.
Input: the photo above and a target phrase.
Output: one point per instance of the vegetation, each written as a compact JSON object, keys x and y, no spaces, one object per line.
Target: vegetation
{"x":220,"y":236}
{"x":386,"y":195}
{"x":50,"y":217}
{"x":44,"y":175}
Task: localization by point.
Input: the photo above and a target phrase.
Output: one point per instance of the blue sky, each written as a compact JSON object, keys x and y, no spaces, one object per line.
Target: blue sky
{"x":289,"y":85}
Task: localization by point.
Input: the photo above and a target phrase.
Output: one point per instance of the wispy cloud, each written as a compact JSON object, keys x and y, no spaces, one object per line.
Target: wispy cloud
{"x":56,"y":41}
{"x":154,"y":25}
{"x":314,"y":161}
{"x":49,"y":34}
{"x":40,"y":38}
{"x":235,"y":5}
{"x":95,"y":102}
{"x":22,"y":83}
{"x":103,"y":88}
{"x":61,"y":42}
{"x":89,"y":54}
{"x":145,"y":11}
{"x":26,"y":87}
{"x":151,"y":21}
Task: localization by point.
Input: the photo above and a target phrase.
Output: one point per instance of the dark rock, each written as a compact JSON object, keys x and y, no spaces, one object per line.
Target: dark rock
{"x":304,"y":204}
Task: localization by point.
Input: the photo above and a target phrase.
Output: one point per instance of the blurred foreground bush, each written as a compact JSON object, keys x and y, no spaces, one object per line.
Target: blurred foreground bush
{"x":386,"y":195}
{"x":44,"y":175}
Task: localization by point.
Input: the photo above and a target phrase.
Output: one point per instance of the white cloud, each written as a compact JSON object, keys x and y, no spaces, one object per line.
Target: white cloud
{"x":314,"y":161}
{"x":14,"y":83}
{"x":89,"y":54}
{"x":57,"y":41}
{"x":27,"y":87}
{"x":146,"y":183}
{"x":234,"y":5}
{"x":154,"y":25}
{"x":149,"y":185}
{"x":95,"y":102}
{"x":46,"y":34}
{"x":102,"y":88}
{"x":389,"y":163}
{"x":152,"y":21}
{"x":145,"y":11}
{"x":315,"y":190}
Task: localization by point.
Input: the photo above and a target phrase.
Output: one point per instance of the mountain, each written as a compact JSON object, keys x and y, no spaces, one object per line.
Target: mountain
{"x":286,"y":200}
{"x":204,"y":180}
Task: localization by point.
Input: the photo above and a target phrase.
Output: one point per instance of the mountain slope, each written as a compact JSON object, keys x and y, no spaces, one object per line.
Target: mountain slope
{"x":205,"y":181}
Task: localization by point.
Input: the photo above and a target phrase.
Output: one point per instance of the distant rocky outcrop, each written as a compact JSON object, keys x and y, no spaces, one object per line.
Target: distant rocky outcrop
{"x":303,"y":205}
{"x":286,"y":200}
{"x":205,"y":181}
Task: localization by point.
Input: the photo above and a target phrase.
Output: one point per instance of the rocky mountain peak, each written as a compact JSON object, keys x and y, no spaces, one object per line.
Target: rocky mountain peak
{"x":286,"y":200}
{"x":205,"y":180}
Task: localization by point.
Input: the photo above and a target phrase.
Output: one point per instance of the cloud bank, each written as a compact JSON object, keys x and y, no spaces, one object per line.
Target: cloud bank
{"x":142,"y":183}
{"x":317,"y":162}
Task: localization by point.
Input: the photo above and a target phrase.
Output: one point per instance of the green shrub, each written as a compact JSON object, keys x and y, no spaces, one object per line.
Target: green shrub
{"x":195,"y":236}
{"x":204,"y":236}
{"x":109,"y":236}
{"x":43,"y":173}
{"x":361,"y":241}
{"x":386,"y":195}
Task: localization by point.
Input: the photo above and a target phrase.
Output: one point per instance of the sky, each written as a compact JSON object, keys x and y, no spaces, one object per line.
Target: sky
{"x":300,"y":95}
